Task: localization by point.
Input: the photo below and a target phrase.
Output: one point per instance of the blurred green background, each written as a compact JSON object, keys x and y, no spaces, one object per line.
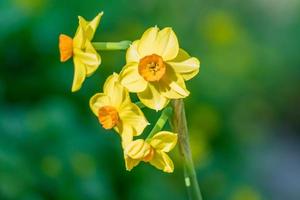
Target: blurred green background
{"x":243,"y":111}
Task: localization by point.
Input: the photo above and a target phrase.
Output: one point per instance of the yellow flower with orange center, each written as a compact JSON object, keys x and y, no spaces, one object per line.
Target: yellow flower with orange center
{"x":153,"y":150}
{"x":156,"y":68}
{"x":85,"y":57}
{"x":115,"y":110}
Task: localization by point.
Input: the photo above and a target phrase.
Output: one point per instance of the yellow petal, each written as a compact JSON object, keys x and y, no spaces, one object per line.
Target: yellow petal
{"x":117,"y":93}
{"x":90,"y":27}
{"x":79,"y":74}
{"x":126,"y":134}
{"x":146,"y":45}
{"x":185,"y":65}
{"x":162,"y":161}
{"x":131,"y":79}
{"x":132,"y":54}
{"x":97,"y":101}
{"x":91,"y":68}
{"x":164,"y":141}
{"x":181,"y":56}
{"x":131,"y":115}
{"x":172,"y":85}
{"x":130,"y":163}
{"x":137,"y":149}
{"x":87,"y":58}
{"x":166,"y":44}
{"x":79,"y":38}
{"x":152,"y":98}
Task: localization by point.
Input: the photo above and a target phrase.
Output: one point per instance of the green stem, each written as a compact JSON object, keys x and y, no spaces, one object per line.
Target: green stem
{"x":179,"y":125}
{"x":108,"y":46}
{"x":166,"y":113}
{"x":140,"y":104}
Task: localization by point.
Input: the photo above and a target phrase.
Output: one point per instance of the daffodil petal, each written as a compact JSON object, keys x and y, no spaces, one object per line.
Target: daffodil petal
{"x":166,"y":44}
{"x":90,"y":27}
{"x":79,"y":74}
{"x":147,"y":43}
{"x":132,"y":54}
{"x":181,"y":56}
{"x":91,"y":68}
{"x":117,"y":93}
{"x":162,"y":161}
{"x":137,"y":149}
{"x":164,"y":141}
{"x":187,"y":68}
{"x":126,"y":135}
{"x":79,"y":38}
{"x":172,"y":85}
{"x":87,"y":58}
{"x":131,"y":79}
{"x":152,"y":98}
{"x":130,"y":163}
{"x":131,"y":115}
{"x":97,"y":101}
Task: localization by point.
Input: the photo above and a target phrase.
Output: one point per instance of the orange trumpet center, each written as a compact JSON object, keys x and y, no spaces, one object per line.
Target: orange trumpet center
{"x":152,"y":68}
{"x":108,"y":117}
{"x":65,"y":47}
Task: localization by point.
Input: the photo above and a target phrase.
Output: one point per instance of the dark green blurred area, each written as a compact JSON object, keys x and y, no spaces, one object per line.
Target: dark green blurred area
{"x":243,"y":111}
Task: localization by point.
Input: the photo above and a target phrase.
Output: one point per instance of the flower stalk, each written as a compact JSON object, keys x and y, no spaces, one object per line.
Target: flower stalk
{"x":140,"y":104}
{"x":179,"y":125}
{"x":165,"y":115}
{"x":110,"y":46}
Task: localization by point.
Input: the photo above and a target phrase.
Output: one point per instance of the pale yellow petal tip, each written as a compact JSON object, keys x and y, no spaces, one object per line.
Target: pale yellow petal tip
{"x":116,"y":76}
{"x":168,"y":170}
{"x":98,"y":17}
{"x":75,"y":88}
{"x":197,"y":61}
{"x":168,"y":28}
{"x":82,"y":19}
{"x":128,"y":169}
{"x":100,"y":13}
{"x":152,"y":28}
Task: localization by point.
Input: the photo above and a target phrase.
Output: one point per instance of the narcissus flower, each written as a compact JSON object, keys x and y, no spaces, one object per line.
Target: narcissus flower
{"x":156,"y":68}
{"x":114,"y":109}
{"x":153,"y":150}
{"x":85,"y":57}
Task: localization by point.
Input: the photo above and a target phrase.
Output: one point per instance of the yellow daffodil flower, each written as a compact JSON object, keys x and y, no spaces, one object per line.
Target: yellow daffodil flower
{"x":152,"y":150}
{"x":85,"y":57}
{"x":156,"y":68}
{"x":114,"y":109}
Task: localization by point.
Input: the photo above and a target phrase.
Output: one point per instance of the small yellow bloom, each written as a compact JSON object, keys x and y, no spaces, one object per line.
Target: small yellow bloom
{"x":114,"y":109}
{"x":156,"y":68}
{"x":85,"y":57}
{"x":152,"y":150}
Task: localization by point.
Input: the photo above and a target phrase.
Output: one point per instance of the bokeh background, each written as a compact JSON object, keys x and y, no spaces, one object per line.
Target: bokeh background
{"x":243,"y":111}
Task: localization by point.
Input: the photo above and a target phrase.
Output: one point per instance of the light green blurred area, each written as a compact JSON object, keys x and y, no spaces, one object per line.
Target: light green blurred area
{"x":243,"y":111}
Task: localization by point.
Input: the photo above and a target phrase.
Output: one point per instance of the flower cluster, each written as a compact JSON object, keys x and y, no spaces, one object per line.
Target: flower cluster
{"x":156,"y":70}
